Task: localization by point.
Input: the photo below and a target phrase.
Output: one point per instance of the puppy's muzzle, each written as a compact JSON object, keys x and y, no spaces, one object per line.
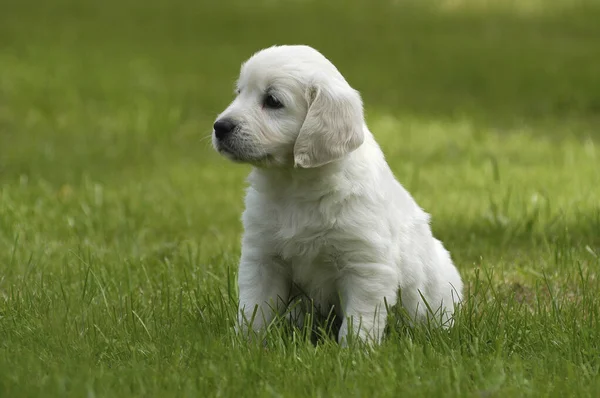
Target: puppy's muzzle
{"x":223,"y":128}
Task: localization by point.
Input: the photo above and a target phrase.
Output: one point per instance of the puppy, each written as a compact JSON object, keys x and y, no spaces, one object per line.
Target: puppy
{"x":324,"y":213}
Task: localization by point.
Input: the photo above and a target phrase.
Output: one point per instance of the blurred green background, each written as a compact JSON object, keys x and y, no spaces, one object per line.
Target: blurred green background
{"x":119,"y":225}
{"x":83,"y":72}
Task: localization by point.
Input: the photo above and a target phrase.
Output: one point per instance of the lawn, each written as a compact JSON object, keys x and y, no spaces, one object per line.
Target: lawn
{"x":120,"y":227}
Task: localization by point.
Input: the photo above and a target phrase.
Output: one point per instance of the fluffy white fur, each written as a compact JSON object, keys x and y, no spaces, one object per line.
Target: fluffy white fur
{"x":324,"y":213}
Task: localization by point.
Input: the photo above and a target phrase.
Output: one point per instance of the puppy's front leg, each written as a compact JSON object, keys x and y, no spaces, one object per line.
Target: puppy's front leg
{"x":264,"y":287}
{"x":365,"y":290}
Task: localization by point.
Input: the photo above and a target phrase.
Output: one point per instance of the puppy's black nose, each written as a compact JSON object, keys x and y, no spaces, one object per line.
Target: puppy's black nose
{"x":223,"y":127}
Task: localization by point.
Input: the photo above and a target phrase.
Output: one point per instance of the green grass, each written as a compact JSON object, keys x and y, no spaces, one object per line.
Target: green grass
{"x":119,"y":226}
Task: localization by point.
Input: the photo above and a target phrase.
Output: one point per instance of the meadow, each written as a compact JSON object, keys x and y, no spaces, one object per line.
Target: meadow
{"x":120,"y":227}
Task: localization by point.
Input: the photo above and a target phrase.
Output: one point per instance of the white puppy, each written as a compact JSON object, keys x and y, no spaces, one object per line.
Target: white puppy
{"x":324,"y":213}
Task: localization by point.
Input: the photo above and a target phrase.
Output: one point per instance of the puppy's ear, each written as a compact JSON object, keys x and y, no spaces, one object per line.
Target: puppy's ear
{"x":333,"y":126}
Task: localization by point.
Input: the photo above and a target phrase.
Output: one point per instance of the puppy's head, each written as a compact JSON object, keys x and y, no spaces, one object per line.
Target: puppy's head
{"x":292,"y":108}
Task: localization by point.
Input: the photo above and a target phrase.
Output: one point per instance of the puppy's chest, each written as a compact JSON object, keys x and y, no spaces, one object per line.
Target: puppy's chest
{"x":314,"y":259}
{"x":304,"y":237}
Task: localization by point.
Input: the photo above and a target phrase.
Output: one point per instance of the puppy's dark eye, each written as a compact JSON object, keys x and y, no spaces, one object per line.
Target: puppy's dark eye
{"x":272,"y":102}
